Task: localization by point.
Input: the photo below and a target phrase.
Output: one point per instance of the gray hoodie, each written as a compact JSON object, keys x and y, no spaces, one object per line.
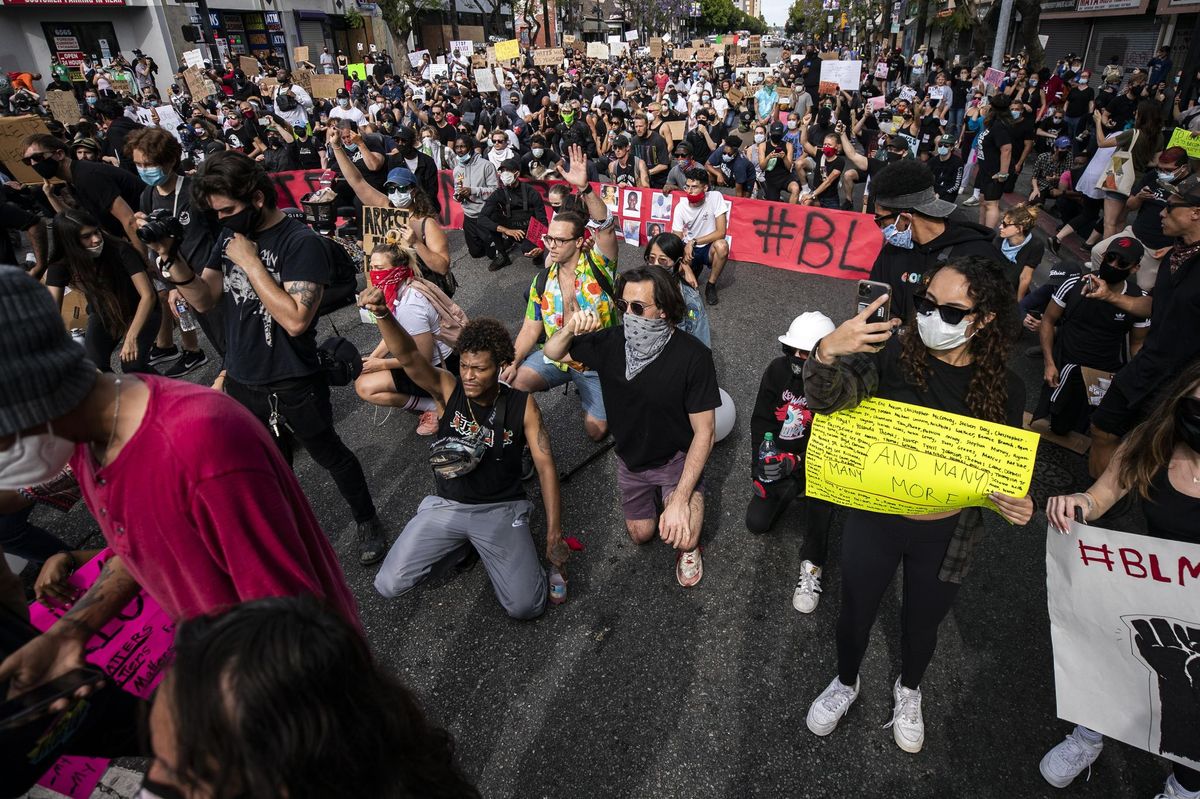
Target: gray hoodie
{"x":478,"y":175}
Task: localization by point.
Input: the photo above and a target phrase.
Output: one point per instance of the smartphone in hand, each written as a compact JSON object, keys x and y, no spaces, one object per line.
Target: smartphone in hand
{"x":868,"y":292}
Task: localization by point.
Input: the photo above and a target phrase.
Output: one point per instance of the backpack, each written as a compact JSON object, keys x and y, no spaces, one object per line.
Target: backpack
{"x":451,"y":318}
{"x":597,"y":272}
{"x":343,"y":279}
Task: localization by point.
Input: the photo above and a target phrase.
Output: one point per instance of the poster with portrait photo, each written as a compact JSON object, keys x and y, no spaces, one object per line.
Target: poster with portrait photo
{"x":631,"y":231}
{"x":631,"y":202}
{"x":654,"y":229}
{"x":608,"y":193}
{"x":660,"y":207}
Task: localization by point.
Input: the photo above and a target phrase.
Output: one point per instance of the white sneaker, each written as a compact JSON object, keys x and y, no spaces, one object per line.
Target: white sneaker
{"x":1063,"y":763}
{"x":1173,"y":790}
{"x":827,"y":709}
{"x":908,"y":728}
{"x":805,"y":597}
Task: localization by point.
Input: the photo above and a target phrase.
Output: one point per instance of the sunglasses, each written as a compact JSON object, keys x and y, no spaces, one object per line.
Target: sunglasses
{"x":36,"y":158}
{"x":638,"y":308}
{"x":660,"y":260}
{"x":950,"y":314}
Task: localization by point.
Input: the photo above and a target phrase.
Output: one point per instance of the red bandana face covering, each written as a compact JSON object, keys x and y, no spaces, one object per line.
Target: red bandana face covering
{"x":390,"y":281}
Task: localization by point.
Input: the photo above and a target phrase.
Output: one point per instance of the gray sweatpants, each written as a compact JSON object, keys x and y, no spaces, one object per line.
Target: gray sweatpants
{"x":499,"y":531}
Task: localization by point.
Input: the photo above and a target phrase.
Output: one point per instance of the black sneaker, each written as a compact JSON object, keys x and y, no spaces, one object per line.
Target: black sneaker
{"x":372,"y":543}
{"x":159,"y":354}
{"x":1054,"y":244}
{"x":500,"y":261}
{"x":710,"y":293}
{"x":187,"y":362}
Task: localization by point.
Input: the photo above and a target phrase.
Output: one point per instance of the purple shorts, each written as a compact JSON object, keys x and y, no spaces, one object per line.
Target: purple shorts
{"x":638,"y":489}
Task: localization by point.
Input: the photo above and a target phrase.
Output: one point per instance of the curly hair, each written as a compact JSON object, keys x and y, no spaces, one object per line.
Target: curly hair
{"x":987,"y":393}
{"x":157,"y":146}
{"x":1023,"y":216}
{"x":488,"y":335}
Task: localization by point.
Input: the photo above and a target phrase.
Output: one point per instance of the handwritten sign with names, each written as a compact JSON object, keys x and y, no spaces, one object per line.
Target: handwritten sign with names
{"x":891,"y":457}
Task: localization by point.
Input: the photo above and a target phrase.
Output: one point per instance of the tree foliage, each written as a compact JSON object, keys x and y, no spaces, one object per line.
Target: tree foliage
{"x":806,"y":16}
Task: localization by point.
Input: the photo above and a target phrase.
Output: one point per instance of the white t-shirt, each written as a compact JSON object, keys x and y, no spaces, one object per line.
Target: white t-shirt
{"x":691,"y":222}
{"x":351,"y":113}
{"x":417,"y":315}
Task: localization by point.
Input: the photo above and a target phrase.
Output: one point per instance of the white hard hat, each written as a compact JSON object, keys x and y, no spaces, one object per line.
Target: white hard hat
{"x":806,"y":330}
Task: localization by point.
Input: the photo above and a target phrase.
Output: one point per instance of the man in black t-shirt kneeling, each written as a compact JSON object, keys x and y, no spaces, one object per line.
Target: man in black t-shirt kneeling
{"x":268,"y":272}
{"x":667,"y":385}
{"x":480,"y":501}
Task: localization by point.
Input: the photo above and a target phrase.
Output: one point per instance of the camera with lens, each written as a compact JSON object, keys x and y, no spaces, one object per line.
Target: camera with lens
{"x":160,"y":224}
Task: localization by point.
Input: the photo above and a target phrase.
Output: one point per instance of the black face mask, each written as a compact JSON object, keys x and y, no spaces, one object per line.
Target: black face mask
{"x":47,"y":168}
{"x":1112,"y":274}
{"x":245,"y":221}
{"x":1187,"y":422}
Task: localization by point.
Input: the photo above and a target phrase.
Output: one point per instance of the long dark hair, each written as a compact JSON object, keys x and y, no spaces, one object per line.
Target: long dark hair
{"x":281,"y":697}
{"x":421,"y":206}
{"x":1149,"y":448}
{"x":95,"y":277}
{"x":987,"y":393}
{"x":667,"y":295}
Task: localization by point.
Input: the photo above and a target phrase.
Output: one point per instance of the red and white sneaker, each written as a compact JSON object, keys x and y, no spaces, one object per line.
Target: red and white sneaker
{"x":689,"y":567}
{"x":427,"y":425}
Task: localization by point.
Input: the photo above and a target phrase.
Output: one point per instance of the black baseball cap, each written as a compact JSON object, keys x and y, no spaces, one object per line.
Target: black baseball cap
{"x":1127,"y":248}
{"x":1186,"y":192}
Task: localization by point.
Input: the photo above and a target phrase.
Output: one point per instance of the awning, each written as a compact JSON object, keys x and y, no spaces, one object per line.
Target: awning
{"x":312,"y":15}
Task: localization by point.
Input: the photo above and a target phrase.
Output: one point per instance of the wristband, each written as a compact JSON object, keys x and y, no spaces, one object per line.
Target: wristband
{"x":1090,"y":502}
{"x":586,"y":190}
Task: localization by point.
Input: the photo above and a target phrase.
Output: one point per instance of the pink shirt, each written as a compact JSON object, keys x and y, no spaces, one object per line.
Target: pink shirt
{"x":205,"y":512}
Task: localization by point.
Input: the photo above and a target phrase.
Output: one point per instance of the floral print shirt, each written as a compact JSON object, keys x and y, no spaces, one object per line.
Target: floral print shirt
{"x":548,"y":308}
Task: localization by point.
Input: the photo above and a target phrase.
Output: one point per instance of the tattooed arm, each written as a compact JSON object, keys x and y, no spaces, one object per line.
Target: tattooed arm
{"x":61,"y":648}
{"x":293,"y":305}
{"x":543,"y":459}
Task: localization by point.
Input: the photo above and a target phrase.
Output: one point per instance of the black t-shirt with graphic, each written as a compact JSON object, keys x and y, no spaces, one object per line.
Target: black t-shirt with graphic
{"x":259,"y":350}
{"x":200,"y":230}
{"x":497,"y":478}
{"x":242,"y":138}
{"x":653,"y":425}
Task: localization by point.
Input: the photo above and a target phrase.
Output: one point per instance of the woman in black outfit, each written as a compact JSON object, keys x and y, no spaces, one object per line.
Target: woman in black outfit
{"x":998,"y":153}
{"x":951,"y":356}
{"x":1160,"y":462}
{"x":122,"y":305}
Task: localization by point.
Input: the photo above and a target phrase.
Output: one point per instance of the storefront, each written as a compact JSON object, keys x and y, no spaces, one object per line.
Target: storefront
{"x":249,"y":32}
{"x":1181,"y":20}
{"x":1126,"y":30}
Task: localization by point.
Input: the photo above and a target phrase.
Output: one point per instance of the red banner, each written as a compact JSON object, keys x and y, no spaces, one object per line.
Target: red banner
{"x":818,"y":241}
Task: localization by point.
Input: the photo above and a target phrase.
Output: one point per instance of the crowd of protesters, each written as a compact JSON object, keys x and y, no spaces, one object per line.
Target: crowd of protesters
{"x":170,"y":227}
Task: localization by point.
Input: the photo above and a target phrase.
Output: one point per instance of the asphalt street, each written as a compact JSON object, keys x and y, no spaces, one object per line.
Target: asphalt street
{"x":639,"y":688}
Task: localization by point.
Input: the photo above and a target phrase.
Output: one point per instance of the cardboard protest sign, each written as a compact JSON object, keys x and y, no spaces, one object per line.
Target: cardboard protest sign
{"x":121,"y":86}
{"x":891,"y":457}
{"x":304,"y":78}
{"x":706,"y":54}
{"x":684,"y":54}
{"x":508,"y":50}
{"x":479,"y":61}
{"x":63,"y":106}
{"x":677,"y":128}
{"x":829,"y":55}
{"x":491,"y":56}
{"x":827,"y":87}
{"x":550,"y":57}
{"x":299,"y":54}
{"x":484,"y":80}
{"x":13,"y":131}
{"x":197,"y":83}
{"x":618,"y":49}
{"x":326,"y":86}
{"x":597,"y":50}
{"x":134,"y":649}
{"x":1182,"y":137}
{"x":846,"y":74}
{"x":464,"y":47}
{"x":1096,"y":381}
{"x":631,"y":36}
{"x":248,"y":65}
{"x":1125,"y":625}
{"x":734,"y":97}
{"x":656,"y":47}
{"x":697,"y":44}
{"x":381,"y":225}
{"x":193,"y":58}
{"x":267,"y":86}
{"x":74,"y":309}
{"x":568,"y":40}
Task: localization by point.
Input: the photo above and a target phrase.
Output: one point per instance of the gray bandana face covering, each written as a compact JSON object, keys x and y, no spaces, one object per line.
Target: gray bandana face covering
{"x":644,"y":340}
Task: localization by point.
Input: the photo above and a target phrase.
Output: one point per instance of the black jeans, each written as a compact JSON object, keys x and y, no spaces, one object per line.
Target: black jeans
{"x":26,"y":540}
{"x":478,"y":238}
{"x":100,"y":343}
{"x":306,"y":417}
{"x":763,"y":512}
{"x":873,"y":545}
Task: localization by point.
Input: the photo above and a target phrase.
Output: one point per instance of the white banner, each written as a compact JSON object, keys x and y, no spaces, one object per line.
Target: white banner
{"x":1125,"y":622}
{"x":464,"y":47}
{"x":846,"y":74}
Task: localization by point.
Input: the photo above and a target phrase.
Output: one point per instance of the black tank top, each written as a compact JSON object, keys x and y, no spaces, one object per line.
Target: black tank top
{"x":497,"y":478}
{"x":625,"y":175}
{"x":1170,"y":514}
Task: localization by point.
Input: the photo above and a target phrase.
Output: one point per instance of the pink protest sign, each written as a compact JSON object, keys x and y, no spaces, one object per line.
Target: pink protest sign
{"x":993,"y":77}
{"x":134,"y":649}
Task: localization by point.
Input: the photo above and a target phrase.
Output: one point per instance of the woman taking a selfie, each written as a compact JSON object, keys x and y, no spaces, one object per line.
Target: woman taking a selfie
{"x":122,"y":305}
{"x":951,"y":356}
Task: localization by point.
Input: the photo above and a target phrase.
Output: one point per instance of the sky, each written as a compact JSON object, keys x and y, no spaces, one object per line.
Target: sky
{"x":776,"y":11}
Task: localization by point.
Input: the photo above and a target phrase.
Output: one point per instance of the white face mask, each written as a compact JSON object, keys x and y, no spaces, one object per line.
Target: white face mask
{"x":400,"y":199}
{"x":538,"y":152}
{"x":508,"y":178}
{"x":759,"y":138}
{"x":792,"y":124}
{"x":33,"y":460}
{"x":937,"y":335}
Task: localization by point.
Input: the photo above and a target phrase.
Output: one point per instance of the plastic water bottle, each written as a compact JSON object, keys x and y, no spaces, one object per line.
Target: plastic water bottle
{"x":30,"y":261}
{"x":558,"y":587}
{"x":187,"y":319}
{"x":767,"y":449}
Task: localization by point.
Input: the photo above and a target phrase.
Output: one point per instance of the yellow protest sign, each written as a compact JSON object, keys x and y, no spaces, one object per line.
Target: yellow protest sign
{"x":1182,"y":137}
{"x":508,"y":50}
{"x":891,"y":457}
